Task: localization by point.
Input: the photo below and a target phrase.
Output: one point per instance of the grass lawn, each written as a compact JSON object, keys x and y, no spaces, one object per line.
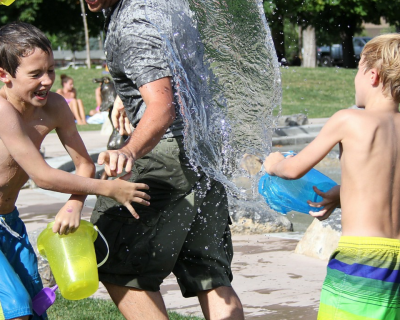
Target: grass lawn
{"x":93,"y":309}
{"x":316,"y":92}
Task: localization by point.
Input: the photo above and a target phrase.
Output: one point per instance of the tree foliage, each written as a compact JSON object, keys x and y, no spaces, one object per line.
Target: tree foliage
{"x":61,"y":20}
{"x":337,"y":18}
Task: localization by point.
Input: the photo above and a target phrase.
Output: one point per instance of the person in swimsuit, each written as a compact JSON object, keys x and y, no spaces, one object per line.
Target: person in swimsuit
{"x":29,"y":112}
{"x":69,"y":93}
{"x":364,"y":271}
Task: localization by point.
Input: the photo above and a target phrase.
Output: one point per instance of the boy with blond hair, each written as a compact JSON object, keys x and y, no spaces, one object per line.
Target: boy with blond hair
{"x":363,"y":275}
{"x":29,"y":111}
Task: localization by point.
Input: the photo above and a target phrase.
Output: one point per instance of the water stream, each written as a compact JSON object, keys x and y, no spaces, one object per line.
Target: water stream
{"x":227,"y":79}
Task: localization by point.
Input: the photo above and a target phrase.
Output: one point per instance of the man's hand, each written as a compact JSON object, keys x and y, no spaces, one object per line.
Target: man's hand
{"x":119,"y":118}
{"x":68,"y":218}
{"x":271,"y":161}
{"x":126,"y":192}
{"x":115,"y":161}
{"x":331,"y":200}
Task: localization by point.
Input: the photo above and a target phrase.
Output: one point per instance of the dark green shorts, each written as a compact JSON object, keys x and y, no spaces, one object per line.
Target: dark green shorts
{"x":185,"y":230}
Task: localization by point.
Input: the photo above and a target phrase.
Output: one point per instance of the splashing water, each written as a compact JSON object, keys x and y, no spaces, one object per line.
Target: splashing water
{"x":226,"y":77}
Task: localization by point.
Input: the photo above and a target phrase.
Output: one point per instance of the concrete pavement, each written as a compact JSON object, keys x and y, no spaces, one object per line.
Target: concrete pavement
{"x":271,"y":280}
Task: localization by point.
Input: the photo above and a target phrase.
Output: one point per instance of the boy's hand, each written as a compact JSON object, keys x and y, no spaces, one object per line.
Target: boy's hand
{"x":331,"y":200}
{"x":115,"y":161}
{"x":126,"y":192}
{"x":68,"y":218}
{"x":119,"y":118}
{"x":271,"y":161}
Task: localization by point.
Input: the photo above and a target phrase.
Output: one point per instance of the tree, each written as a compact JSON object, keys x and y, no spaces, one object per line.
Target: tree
{"x":57,"y":18}
{"x":343,"y":18}
{"x":278,"y":12}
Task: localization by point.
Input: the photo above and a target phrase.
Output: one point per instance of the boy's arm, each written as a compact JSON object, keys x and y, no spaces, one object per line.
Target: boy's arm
{"x":295,"y":167}
{"x":68,"y":218}
{"x":26,"y":154}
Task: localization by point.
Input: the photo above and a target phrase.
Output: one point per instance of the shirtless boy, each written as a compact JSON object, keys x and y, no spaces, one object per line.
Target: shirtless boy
{"x":29,"y":111}
{"x":363,"y":275}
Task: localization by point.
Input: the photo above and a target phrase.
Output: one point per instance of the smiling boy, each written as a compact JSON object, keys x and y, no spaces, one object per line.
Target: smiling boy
{"x":363,"y":275}
{"x":29,"y":111}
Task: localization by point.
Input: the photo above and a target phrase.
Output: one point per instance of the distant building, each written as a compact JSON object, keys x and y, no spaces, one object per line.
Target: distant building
{"x":63,"y":57}
{"x":373,"y":30}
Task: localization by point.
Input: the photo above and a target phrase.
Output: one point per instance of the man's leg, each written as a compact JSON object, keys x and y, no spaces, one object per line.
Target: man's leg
{"x":221,"y":303}
{"x":137,"y":304}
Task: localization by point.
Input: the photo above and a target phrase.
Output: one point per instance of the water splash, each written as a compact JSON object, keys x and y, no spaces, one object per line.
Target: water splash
{"x":226,"y":77}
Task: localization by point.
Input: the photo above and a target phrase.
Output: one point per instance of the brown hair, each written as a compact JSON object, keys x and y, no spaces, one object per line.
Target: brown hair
{"x":383,"y":53}
{"x":18,"y":40}
{"x":64,"y":79}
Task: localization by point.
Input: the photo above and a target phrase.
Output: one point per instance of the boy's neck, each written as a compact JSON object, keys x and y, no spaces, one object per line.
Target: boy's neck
{"x":382,"y":104}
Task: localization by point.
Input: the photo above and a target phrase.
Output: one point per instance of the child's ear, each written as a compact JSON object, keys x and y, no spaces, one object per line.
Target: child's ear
{"x":374,"y":76}
{"x":4,"y":76}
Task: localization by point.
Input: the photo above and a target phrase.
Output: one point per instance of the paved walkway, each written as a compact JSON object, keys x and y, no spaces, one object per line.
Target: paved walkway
{"x":272,"y":281}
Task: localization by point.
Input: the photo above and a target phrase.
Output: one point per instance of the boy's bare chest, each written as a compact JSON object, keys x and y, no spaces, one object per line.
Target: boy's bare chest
{"x":36,"y":133}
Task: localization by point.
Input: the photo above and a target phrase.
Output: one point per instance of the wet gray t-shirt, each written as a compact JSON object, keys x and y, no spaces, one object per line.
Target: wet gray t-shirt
{"x":135,"y":54}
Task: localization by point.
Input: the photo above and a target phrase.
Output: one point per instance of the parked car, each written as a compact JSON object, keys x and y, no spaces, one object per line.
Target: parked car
{"x":328,"y":56}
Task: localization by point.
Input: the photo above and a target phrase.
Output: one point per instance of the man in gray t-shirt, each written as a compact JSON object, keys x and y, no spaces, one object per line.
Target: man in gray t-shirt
{"x":185,"y":230}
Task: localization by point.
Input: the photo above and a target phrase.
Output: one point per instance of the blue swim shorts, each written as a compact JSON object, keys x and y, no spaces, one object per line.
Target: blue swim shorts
{"x":20,"y":280}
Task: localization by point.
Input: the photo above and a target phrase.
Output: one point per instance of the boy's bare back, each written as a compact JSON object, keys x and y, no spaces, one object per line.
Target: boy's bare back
{"x":369,"y":140}
{"x":370,"y":163}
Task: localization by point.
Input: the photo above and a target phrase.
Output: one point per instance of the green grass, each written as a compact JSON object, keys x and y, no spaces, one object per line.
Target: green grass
{"x":317,"y":92}
{"x":93,"y":309}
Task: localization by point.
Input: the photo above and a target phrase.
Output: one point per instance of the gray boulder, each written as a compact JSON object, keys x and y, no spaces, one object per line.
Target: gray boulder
{"x":292,"y":120}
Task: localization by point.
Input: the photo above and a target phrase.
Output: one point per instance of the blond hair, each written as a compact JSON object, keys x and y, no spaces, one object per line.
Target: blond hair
{"x":383,"y":53}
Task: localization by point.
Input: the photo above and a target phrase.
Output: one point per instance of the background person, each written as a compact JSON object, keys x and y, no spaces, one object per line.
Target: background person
{"x":69,"y":93}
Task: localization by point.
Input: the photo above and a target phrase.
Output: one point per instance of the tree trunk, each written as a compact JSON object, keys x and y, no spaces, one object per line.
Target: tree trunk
{"x":278,"y":37}
{"x":349,"y":61}
{"x":85,"y":27}
{"x":309,"y":48}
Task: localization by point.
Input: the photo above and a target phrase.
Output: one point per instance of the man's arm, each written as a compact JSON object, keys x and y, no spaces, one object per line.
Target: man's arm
{"x":158,"y":116}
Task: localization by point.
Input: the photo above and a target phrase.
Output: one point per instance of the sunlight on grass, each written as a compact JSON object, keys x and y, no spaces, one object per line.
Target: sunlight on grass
{"x":316,"y":92}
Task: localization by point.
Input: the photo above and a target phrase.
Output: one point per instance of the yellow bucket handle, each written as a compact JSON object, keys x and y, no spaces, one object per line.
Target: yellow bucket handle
{"x":108,"y":249}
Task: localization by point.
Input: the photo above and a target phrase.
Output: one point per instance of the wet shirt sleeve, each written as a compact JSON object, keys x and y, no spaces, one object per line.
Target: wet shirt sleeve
{"x":143,"y":53}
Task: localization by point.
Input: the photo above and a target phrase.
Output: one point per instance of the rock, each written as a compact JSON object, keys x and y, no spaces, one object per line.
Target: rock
{"x":255,"y":217}
{"x":249,"y":226}
{"x":321,"y":237}
{"x":43,"y":266}
{"x":251,"y":163}
{"x":292,"y":120}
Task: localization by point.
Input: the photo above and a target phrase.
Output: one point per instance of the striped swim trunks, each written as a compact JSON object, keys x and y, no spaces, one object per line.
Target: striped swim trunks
{"x":363,"y":280}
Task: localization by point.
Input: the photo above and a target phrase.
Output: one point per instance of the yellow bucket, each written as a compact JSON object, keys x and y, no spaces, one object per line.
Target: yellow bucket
{"x":6,"y":2}
{"x":72,"y":259}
